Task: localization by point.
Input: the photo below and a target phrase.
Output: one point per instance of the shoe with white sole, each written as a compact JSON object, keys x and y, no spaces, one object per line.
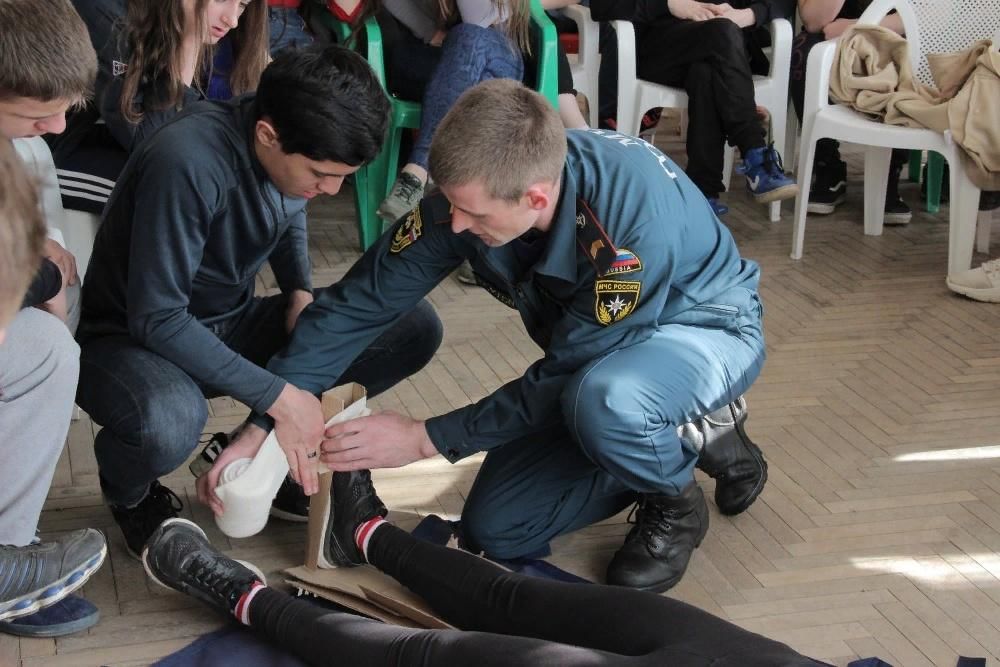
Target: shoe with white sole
{"x":981,"y":283}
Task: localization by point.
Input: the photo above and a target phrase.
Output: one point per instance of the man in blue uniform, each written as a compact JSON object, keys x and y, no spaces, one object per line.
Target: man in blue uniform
{"x":647,"y":314}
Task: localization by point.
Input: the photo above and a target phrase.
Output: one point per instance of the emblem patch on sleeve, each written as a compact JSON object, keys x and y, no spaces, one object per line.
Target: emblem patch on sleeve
{"x":615,"y":299}
{"x":408,"y":232}
{"x":626,"y":261}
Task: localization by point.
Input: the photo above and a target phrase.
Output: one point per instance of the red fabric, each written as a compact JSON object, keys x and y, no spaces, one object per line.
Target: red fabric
{"x":570,"y":42}
{"x":337,"y":11}
{"x":291,"y":4}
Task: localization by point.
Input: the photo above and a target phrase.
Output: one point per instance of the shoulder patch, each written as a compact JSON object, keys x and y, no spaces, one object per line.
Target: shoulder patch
{"x":626,"y":261}
{"x":408,"y":232}
{"x":614,"y":300}
{"x":593,"y":240}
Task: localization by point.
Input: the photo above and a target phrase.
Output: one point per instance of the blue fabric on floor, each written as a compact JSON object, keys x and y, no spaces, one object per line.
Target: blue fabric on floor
{"x":233,"y":645}
{"x":436,"y":530}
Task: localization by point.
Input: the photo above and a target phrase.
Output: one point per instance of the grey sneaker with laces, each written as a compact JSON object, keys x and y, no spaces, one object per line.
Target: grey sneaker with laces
{"x":406,"y":193}
{"x":40,"y":574}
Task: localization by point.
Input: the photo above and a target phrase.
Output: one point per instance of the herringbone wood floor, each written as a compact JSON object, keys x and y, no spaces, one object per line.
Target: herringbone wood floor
{"x":878,"y":410}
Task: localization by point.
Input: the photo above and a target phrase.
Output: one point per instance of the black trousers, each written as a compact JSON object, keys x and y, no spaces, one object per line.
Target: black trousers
{"x":509,"y":619}
{"x":709,"y":60}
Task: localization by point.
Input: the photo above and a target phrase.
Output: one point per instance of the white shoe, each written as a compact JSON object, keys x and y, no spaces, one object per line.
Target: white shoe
{"x":981,"y":284}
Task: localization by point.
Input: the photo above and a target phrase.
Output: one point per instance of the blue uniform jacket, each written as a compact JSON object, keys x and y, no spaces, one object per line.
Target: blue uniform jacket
{"x":633,"y":245}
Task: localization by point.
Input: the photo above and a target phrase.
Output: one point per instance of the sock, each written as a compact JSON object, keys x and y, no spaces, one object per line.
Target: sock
{"x":363,"y":534}
{"x":242,"y":609}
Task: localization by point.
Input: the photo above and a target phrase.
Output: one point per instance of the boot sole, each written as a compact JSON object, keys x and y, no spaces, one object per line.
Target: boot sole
{"x":817,"y":208}
{"x":31,"y":602}
{"x":777,"y":194}
{"x":758,"y":456}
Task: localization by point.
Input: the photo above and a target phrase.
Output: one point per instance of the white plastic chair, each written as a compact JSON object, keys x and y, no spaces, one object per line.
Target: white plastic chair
{"x":932,"y":26}
{"x":636,"y":96}
{"x":74,"y":230}
{"x":588,"y":58}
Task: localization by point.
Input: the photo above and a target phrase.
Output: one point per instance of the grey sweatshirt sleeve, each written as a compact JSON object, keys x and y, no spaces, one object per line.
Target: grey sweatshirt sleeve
{"x":290,"y":258}
{"x":482,"y":13}
{"x":414,"y":15}
{"x":177,"y":198}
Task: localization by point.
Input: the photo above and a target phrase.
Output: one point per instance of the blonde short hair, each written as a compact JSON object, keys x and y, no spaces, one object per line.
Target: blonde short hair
{"x":502,"y":135}
{"x":22,"y":232}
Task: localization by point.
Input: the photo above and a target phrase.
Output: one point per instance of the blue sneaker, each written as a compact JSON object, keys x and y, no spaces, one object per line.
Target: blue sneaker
{"x":70,"y":615}
{"x":717,"y":206}
{"x":40,"y":574}
{"x":766,"y":179}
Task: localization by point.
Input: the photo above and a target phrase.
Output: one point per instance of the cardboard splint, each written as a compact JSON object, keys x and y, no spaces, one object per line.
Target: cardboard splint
{"x":363,"y":589}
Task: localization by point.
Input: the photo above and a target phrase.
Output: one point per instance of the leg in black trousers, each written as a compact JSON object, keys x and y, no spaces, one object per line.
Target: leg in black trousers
{"x":667,"y":51}
{"x":508,"y":618}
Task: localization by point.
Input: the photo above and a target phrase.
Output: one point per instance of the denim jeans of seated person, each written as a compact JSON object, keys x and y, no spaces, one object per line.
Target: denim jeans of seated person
{"x":153,"y":413}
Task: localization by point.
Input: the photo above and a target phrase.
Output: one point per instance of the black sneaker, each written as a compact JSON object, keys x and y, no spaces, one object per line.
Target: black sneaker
{"x":352,"y":502}
{"x":139,"y":522}
{"x":206,"y":459}
{"x":829,"y":188}
{"x":728,"y":455}
{"x":179,"y":556}
{"x":290,"y":503}
{"x":658,"y":548}
{"x":42,"y":573}
{"x":896,"y":210}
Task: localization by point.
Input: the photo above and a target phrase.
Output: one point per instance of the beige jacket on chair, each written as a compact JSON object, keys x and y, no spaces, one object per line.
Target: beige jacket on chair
{"x":872,"y":74}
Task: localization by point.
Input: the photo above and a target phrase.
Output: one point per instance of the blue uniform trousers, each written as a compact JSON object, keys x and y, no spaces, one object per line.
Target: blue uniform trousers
{"x":619,"y":437}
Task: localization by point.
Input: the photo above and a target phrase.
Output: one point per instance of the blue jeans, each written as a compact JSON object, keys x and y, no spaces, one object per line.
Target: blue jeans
{"x":288,"y":29}
{"x":619,"y":433}
{"x":153,"y":413}
{"x":469,"y":55}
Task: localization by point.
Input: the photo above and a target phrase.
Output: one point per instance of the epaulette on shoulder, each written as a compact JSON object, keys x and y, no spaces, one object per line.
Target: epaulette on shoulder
{"x":435,"y":208}
{"x":592,"y":240}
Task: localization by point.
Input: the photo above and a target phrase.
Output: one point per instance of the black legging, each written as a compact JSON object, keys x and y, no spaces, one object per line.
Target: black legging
{"x":509,"y":619}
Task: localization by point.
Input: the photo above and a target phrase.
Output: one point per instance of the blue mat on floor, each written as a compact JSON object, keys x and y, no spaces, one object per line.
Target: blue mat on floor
{"x":236,"y":645}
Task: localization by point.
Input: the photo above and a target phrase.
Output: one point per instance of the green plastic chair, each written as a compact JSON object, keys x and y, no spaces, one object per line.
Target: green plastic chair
{"x":373,"y":181}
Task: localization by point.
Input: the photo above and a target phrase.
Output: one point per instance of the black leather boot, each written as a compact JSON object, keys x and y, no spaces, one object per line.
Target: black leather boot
{"x":728,"y":456}
{"x":657,"y":549}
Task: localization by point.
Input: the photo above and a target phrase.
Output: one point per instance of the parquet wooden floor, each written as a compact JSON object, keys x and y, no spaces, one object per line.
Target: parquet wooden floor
{"x":878,"y":410}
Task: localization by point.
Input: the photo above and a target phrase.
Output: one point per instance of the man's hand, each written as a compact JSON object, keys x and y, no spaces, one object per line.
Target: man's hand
{"x":386,"y":440}
{"x":691,"y":10}
{"x":245,"y":446}
{"x":63,"y":259}
{"x":298,"y":425}
{"x":297,"y":302}
{"x":837,"y":28}
{"x":744,"y":18}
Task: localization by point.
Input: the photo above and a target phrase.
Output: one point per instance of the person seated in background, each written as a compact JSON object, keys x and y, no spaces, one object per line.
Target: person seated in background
{"x":287,"y":27}
{"x":170,"y":314}
{"x":503,"y":618}
{"x":436,"y":51}
{"x":702,"y":47}
{"x":822,"y":20}
{"x":46,"y":66}
{"x":154,"y":58}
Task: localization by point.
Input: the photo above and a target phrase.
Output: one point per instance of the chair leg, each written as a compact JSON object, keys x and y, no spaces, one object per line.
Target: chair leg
{"x":984,"y":226}
{"x":807,"y":151}
{"x":778,"y":121}
{"x":935,"y":177}
{"x":729,"y":157}
{"x":876,"y":180}
{"x":963,"y":212}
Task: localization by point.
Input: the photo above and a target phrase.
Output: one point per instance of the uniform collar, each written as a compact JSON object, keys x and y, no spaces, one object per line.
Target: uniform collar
{"x":559,"y":259}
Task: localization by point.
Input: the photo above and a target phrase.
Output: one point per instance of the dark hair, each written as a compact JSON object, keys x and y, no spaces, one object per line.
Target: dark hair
{"x":325,"y":103}
{"x":45,"y":51}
